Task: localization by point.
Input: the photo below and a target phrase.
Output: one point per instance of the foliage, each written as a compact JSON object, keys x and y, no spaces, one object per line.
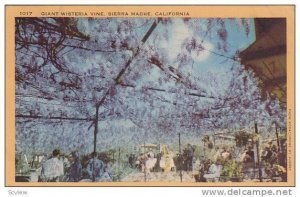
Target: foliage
{"x":65,"y":67}
{"x":210,"y":145}
{"x":205,"y":139}
{"x":242,"y":138}
{"x":274,"y":170}
{"x":21,"y":163}
{"x":232,"y":169}
{"x":121,"y":171}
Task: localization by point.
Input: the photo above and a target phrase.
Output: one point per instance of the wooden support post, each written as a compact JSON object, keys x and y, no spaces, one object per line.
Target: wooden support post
{"x":277,"y":138}
{"x":95,"y":141}
{"x":145,"y":175}
{"x":180,"y":158}
{"x":258,"y":155}
{"x":119,"y":158}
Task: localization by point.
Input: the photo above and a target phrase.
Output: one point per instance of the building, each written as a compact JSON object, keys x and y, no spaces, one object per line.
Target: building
{"x":267,"y":56}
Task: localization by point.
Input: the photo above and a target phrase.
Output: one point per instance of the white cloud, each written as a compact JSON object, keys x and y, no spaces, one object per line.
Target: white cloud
{"x":178,"y":33}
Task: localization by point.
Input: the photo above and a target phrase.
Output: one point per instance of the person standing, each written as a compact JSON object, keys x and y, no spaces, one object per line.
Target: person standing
{"x":74,"y":170}
{"x":52,"y":169}
{"x":190,"y":156}
{"x":226,"y":156}
{"x":95,"y":167}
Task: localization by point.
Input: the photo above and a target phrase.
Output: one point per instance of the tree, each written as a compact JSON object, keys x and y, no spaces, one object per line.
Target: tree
{"x":71,"y":72}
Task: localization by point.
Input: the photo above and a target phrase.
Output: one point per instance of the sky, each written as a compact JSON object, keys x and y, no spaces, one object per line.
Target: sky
{"x":207,"y":61}
{"x":178,"y":31}
{"x":237,"y":39}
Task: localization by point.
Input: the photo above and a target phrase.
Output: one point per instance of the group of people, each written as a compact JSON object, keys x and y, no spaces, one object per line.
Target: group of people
{"x":70,"y":169}
{"x":163,"y":161}
{"x":150,"y":161}
{"x":210,"y":170}
{"x":147,"y":162}
{"x":185,"y":160}
{"x":270,"y":156}
{"x":188,"y":156}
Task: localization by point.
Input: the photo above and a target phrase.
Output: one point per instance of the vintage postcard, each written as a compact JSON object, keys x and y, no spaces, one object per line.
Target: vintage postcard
{"x":150,"y":95}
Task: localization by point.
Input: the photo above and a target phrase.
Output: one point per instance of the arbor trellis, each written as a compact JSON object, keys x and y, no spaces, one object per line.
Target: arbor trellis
{"x":67,"y":68}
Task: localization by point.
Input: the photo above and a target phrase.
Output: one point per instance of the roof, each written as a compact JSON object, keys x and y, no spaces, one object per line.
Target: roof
{"x":148,"y":145}
{"x":267,"y":56}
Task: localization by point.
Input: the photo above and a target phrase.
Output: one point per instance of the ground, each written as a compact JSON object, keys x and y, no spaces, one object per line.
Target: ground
{"x":159,"y":176}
